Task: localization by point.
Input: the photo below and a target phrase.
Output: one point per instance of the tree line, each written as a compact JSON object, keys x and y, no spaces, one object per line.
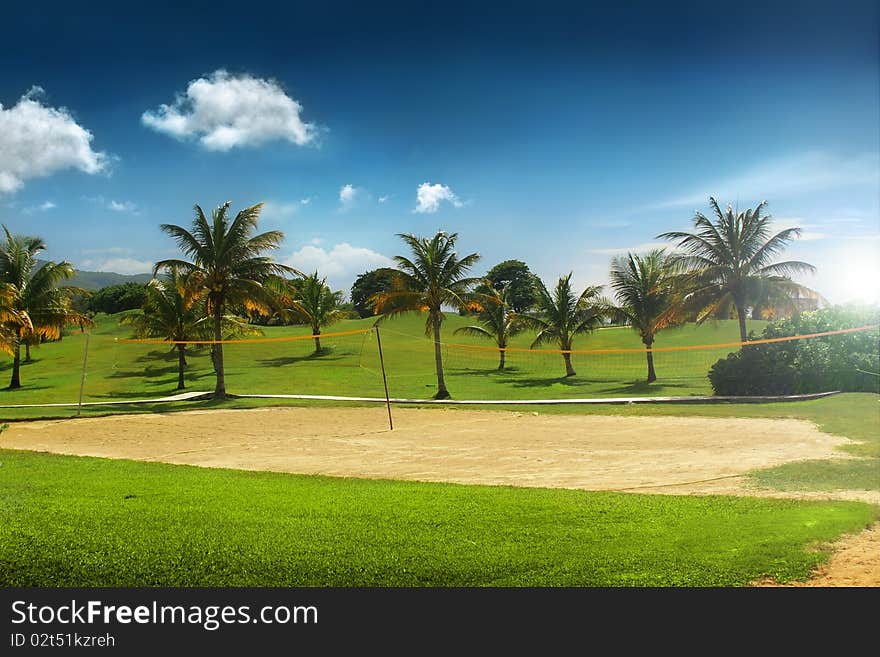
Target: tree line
{"x":225,"y":280}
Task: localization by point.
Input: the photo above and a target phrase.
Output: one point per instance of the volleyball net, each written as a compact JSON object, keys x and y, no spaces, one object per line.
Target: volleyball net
{"x":103,"y":368}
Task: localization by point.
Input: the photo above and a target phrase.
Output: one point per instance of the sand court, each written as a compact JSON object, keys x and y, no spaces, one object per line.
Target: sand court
{"x":590,"y":452}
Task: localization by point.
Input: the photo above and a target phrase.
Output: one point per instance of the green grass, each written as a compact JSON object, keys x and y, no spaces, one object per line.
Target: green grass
{"x":857,"y":474}
{"x":350,"y":366}
{"x":73,"y":521}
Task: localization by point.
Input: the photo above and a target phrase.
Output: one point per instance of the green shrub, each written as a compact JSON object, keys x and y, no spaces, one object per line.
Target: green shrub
{"x":847,"y":362}
{"x":117,"y":298}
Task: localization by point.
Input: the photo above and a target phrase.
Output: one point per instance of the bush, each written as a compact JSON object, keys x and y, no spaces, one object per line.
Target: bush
{"x":117,"y":298}
{"x":365,"y":286}
{"x":810,"y":365}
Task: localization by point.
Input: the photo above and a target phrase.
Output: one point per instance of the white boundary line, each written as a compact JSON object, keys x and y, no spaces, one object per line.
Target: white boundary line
{"x":594,"y":400}
{"x":185,"y":396}
{"x":705,"y":399}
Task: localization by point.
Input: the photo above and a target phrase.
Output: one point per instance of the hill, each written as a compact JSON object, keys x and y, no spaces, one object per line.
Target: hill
{"x":95,"y":280}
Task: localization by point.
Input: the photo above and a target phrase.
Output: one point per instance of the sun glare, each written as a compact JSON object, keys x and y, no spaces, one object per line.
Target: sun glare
{"x":858,"y":279}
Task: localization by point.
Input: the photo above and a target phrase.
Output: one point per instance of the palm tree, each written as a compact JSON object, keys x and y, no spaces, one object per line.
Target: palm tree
{"x":499,"y":321}
{"x":174,"y":310}
{"x":310,"y":300}
{"x":38,"y":307}
{"x":561,"y":315}
{"x":227,"y":262}
{"x":433,"y":278}
{"x":730,"y":261}
{"x":777,"y":299}
{"x":10,"y":318}
{"x":649,"y":294}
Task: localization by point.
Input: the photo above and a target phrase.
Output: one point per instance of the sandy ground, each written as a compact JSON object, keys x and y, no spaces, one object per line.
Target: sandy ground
{"x":670,"y":455}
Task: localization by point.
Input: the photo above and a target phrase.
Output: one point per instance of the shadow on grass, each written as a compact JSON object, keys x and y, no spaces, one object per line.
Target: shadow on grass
{"x":169,"y":353}
{"x":24,"y":388}
{"x":644,"y":389}
{"x":146,"y":373}
{"x":325,"y":355}
{"x":159,"y":376}
{"x":493,"y":372}
{"x":7,"y":365}
{"x":165,"y":388}
{"x":157,"y":354}
{"x":568,"y":381}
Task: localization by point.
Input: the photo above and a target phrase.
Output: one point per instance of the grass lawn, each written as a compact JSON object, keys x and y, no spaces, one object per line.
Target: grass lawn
{"x":72,"y":521}
{"x":350,"y":366}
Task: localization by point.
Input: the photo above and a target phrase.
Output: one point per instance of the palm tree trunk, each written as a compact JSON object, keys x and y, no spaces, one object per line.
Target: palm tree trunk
{"x":316,"y":331}
{"x":442,"y":392}
{"x":27,"y":352}
{"x":220,"y":388}
{"x":181,"y":365}
{"x":652,"y":375}
{"x":741,"y":315}
{"x":569,"y":370}
{"x":16,"y":363}
{"x":502,"y":351}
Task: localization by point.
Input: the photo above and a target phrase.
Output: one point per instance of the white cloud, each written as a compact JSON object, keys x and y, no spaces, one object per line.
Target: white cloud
{"x":305,"y":201}
{"x":348,"y":196}
{"x":272,"y":210}
{"x":118,"y":265}
{"x":122,"y":206}
{"x":429,"y":197}
{"x":37,"y":141}
{"x":225,"y":111}
{"x":108,"y":250}
{"x":115,"y":206}
{"x":808,"y":231}
{"x":383,"y":199}
{"x":803,"y":173}
{"x":42,"y":207}
{"x":341,"y":264}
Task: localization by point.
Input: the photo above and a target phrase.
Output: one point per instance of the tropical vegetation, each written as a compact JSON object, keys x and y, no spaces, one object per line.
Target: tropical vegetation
{"x":843,"y":361}
{"x":519,"y":281}
{"x":366,"y":286}
{"x":227,"y":261}
{"x":497,"y":320}
{"x":34,"y":306}
{"x":732,"y":267}
{"x":117,"y":298}
{"x":649,"y":294}
{"x":563,"y":315}
{"x":226,"y":284}
{"x":308,"y":300}
{"x":432,"y":277}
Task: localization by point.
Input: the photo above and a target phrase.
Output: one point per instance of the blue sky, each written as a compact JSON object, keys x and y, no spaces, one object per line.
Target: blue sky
{"x":558,"y":134}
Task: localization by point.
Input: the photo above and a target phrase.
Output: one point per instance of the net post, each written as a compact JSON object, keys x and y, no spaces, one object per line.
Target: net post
{"x":82,"y":378}
{"x":384,"y":379}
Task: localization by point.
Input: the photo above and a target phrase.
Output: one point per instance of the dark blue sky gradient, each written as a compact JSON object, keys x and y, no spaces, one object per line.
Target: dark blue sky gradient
{"x":569,"y":130}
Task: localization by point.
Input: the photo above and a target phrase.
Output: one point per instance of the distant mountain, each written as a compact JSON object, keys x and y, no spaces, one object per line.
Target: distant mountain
{"x":95,"y":280}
